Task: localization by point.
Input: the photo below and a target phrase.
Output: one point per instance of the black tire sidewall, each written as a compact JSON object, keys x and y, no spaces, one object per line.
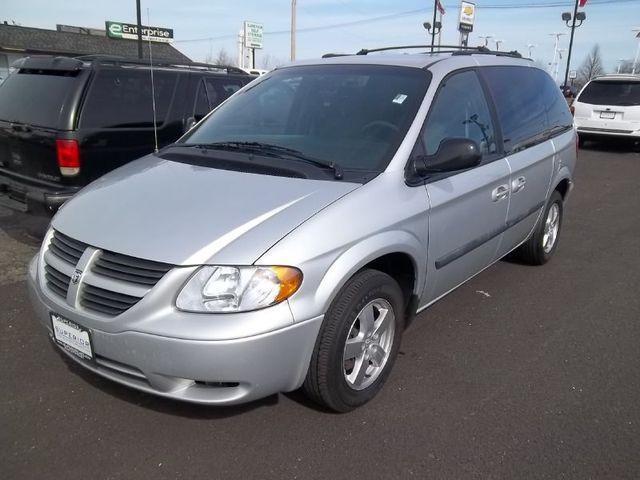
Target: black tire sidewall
{"x":379,"y":285}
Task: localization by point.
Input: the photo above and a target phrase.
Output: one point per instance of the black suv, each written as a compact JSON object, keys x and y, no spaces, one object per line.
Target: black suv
{"x":66,"y":121}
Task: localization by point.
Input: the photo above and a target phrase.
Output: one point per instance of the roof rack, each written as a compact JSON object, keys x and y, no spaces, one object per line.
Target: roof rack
{"x":118,"y":60}
{"x":453,"y":49}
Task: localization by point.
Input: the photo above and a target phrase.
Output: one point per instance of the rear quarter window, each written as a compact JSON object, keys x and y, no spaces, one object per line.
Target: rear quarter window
{"x":38,"y":98}
{"x":123,"y":99}
{"x":518,"y":94}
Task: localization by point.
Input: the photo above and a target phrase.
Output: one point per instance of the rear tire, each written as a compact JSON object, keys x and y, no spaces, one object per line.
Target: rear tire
{"x":542,"y":243}
{"x":354,"y":354}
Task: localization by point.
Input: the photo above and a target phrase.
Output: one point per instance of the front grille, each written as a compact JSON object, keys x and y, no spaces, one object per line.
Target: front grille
{"x":130,"y":269}
{"x":116,"y":282}
{"x":66,"y":248}
{"x":57,"y":281}
{"x":106,"y":301}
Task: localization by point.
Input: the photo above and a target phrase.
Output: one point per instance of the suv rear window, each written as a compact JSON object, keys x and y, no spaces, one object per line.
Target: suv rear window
{"x":618,"y":92}
{"x":122,"y":99}
{"x":36,"y":97}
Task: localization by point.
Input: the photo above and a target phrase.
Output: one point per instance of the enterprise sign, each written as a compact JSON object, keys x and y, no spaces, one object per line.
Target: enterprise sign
{"x":130,"y":32}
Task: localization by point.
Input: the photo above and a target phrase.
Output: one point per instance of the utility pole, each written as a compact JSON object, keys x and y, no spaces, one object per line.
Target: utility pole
{"x":577,"y":16}
{"x":241,"y":48}
{"x":498,"y":43}
{"x":139,"y":29}
{"x":293,"y":30}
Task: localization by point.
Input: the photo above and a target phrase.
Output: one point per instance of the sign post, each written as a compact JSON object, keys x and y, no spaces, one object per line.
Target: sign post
{"x":465,"y":23}
{"x":253,"y":38}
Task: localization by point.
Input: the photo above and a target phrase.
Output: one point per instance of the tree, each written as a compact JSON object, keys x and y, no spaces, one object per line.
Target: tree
{"x":270,"y":61}
{"x":222,"y":59}
{"x":591,"y":66}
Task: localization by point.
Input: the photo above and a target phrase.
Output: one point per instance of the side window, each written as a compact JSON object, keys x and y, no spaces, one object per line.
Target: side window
{"x":201,"y":105}
{"x":460,"y":110}
{"x":219,"y":89}
{"x":122,"y":99}
{"x":521,"y":109}
{"x":558,"y":113}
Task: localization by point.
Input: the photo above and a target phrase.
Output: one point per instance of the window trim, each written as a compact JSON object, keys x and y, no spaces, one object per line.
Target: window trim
{"x":413,"y":180}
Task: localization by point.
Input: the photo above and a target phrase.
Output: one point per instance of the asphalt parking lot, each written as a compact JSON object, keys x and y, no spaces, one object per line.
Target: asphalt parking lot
{"x":524,"y":372}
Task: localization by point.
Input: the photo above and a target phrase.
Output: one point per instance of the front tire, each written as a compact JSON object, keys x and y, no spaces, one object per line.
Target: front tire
{"x":358,"y":342}
{"x":542,"y":243}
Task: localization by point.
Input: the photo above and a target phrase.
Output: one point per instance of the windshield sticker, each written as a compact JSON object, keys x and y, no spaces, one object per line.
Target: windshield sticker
{"x":400,"y":98}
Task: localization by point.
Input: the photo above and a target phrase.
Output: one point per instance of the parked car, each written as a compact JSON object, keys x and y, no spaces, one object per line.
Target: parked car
{"x":66,"y":121}
{"x":609,"y":106}
{"x":289,"y":238}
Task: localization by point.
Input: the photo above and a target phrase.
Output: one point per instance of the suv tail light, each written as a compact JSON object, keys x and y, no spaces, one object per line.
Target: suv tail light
{"x":68,"y":156}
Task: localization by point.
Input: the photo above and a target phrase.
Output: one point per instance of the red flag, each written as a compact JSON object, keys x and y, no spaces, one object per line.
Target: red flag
{"x":441,"y":8}
{"x":583,"y":3}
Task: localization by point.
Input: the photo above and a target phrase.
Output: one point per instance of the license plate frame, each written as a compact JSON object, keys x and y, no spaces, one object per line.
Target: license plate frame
{"x":608,"y":115}
{"x":72,"y":337}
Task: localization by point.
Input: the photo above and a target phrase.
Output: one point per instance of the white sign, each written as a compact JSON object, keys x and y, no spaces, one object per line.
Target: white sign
{"x":252,"y":35}
{"x":467,"y":16}
{"x":573,"y":74}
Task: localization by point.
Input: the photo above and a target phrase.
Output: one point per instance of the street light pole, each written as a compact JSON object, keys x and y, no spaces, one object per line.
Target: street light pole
{"x":293,"y":30}
{"x":635,"y":61}
{"x":433,"y":32}
{"x":531,"y":46}
{"x":573,"y":29}
{"x":486,"y":39}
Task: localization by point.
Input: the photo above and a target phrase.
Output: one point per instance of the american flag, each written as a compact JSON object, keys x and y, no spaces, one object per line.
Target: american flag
{"x":442,"y":12}
{"x":583,"y":3}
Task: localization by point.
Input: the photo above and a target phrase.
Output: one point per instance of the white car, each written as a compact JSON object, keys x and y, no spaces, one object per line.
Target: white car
{"x":609,"y":106}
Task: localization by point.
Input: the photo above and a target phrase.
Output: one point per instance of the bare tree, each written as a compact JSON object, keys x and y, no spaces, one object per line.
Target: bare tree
{"x":222,"y":58}
{"x":270,"y":61}
{"x":591,"y":66}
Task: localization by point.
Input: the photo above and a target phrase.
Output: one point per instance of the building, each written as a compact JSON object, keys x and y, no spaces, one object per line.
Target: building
{"x":18,"y":41}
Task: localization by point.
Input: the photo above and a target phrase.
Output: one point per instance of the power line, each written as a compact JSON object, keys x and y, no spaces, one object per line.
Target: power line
{"x":391,"y":16}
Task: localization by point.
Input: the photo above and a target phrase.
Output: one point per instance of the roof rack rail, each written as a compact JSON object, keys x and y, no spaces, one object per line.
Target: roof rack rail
{"x":98,"y":59}
{"x":333,"y":55}
{"x":453,"y":49}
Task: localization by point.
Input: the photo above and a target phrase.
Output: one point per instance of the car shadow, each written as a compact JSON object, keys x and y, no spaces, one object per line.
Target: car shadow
{"x":613,"y":144}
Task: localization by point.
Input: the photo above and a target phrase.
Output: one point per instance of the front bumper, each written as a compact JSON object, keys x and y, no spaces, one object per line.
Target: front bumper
{"x":217,"y":372}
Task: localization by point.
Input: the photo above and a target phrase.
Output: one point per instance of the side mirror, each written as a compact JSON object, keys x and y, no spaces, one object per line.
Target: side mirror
{"x":453,"y":154}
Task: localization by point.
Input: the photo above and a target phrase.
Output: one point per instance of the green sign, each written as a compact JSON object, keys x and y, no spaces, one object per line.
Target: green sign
{"x":130,"y":32}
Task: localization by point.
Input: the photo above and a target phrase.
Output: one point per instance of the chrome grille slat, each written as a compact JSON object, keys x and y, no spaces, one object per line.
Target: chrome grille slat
{"x":117,"y":286}
{"x":59,"y":264}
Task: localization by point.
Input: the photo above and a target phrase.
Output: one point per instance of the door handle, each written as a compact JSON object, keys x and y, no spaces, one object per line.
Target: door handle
{"x":518,"y":184}
{"x":499,"y":193}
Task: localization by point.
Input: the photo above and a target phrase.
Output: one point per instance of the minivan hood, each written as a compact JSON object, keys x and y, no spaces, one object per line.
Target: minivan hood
{"x":184,"y":214}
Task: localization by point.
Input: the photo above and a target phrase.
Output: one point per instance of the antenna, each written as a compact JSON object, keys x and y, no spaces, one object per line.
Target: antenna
{"x":153,"y":89}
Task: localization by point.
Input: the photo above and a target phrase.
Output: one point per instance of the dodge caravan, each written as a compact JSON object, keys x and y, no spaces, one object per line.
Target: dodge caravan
{"x":289,"y":238}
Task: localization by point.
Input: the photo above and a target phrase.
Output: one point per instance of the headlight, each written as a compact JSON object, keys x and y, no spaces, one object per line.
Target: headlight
{"x":220,"y":289}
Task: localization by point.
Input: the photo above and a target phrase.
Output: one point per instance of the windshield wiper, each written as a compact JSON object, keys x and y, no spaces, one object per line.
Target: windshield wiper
{"x":277,"y":150}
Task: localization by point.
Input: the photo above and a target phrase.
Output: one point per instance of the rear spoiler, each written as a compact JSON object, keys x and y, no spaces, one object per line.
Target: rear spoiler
{"x":47,"y":62}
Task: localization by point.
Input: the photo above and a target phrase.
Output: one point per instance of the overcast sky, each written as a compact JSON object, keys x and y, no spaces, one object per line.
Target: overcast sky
{"x":203,"y":27}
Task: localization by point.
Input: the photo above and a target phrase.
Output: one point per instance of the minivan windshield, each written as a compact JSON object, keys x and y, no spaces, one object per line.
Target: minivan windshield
{"x":353,"y":116}
{"x":615,"y":93}
{"x":36,"y":98}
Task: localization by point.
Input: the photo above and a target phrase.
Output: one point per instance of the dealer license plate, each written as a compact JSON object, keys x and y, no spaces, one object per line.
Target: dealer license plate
{"x":608,"y":115}
{"x":72,"y":337}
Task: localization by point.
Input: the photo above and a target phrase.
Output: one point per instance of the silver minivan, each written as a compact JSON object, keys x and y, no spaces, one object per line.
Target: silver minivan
{"x":289,"y":238}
